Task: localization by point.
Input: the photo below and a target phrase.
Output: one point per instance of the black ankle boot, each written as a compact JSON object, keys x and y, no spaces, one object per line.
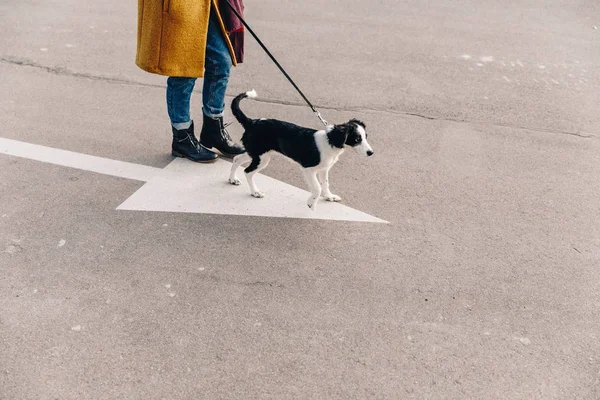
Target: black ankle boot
{"x":214,"y":135}
{"x":186,"y":145}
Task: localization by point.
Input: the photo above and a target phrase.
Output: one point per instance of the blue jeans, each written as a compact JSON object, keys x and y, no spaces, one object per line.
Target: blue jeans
{"x":216,"y":76}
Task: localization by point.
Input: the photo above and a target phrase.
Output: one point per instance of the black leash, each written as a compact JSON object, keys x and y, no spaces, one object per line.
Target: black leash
{"x":317,"y":113}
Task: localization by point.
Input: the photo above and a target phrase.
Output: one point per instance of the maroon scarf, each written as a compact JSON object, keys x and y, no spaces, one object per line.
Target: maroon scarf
{"x":234,"y":26}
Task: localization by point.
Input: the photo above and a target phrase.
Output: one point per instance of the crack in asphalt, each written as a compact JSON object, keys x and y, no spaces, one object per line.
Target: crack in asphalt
{"x":63,"y":71}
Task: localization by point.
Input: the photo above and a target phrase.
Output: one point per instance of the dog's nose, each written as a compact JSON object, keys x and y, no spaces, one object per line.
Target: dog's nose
{"x":369,"y":153}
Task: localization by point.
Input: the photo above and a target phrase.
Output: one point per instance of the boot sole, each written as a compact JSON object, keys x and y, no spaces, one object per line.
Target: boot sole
{"x":223,"y":154}
{"x":177,"y":154}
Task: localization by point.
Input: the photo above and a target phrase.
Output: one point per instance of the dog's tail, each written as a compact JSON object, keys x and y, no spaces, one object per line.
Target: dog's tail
{"x":235,"y":107}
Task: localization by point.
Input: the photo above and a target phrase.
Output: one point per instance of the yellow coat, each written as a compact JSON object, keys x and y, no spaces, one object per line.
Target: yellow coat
{"x":171,"y":38}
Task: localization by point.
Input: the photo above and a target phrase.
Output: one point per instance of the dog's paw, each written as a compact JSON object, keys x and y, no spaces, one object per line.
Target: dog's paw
{"x":312,"y":203}
{"x":333,"y":197}
{"x":235,"y":182}
{"x":258,"y":195}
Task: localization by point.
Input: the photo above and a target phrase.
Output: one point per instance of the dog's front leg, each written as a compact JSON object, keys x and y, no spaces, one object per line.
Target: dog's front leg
{"x":315,"y":188}
{"x":324,"y":179}
{"x":253,"y":189}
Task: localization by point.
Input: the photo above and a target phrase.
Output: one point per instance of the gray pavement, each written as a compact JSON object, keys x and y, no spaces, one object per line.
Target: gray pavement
{"x":484,"y":118}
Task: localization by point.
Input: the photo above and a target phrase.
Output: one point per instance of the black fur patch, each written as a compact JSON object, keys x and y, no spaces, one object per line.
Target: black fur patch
{"x":338,"y":135}
{"x":293,"y":141}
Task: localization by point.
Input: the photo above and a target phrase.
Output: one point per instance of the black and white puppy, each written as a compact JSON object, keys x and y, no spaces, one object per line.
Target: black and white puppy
{"x":315,"y":150}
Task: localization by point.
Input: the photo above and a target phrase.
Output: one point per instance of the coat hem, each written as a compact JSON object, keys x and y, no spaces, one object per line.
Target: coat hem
{"x":178,"y":72}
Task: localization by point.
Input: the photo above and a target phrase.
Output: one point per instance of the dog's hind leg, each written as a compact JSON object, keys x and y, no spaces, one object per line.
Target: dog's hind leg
{"x":238,"y":161}
{"x":257,"y":165}
{"x":315,"y":188}
{"x":323,"y":176}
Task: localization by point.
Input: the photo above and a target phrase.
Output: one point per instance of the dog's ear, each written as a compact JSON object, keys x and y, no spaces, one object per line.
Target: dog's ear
{"x":358,"y":122}
{"x":338,"y":135}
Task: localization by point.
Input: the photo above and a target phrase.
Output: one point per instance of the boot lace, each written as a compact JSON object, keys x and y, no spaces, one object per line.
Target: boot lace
{"x":192,"y":139}
{"x":225,"y":134}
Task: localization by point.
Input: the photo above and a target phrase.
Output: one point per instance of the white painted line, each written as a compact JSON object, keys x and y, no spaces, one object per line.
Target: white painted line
{"x":189,"y":188}
{"x":71,"y":159}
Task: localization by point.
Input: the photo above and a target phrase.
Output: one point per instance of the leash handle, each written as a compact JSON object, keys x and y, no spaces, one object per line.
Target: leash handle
{"x":313,"y":108}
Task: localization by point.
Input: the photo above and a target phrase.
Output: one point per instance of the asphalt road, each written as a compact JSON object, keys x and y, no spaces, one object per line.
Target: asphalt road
{"x":484,"y":118}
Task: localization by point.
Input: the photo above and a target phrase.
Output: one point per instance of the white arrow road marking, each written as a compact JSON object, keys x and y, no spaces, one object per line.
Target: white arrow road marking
{"x":187,"y":187}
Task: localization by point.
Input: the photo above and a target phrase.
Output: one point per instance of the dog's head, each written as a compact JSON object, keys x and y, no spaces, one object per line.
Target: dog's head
{"x":351,"y":134}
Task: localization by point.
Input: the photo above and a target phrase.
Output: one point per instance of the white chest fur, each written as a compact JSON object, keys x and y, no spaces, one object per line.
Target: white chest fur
{"x":329,"y":154}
